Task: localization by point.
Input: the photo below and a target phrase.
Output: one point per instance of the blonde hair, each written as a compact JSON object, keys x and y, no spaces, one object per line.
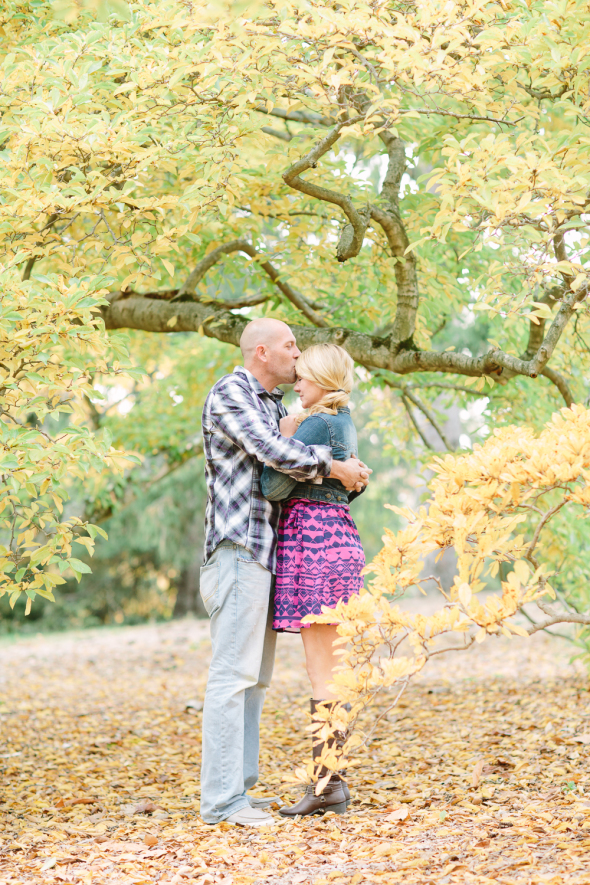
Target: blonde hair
{"x":330,"y":367}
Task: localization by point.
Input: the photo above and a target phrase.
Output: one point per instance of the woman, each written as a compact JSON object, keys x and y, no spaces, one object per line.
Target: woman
{"x":320,"y":557}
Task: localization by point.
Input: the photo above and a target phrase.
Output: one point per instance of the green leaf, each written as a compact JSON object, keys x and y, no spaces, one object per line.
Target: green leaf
{"x":79,"y":566}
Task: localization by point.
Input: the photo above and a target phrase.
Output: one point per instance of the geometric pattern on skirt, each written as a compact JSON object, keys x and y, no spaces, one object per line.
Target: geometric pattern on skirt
{"x":319,"y":561}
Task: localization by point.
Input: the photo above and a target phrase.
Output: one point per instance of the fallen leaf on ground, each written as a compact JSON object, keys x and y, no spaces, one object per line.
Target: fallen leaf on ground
{"x":527,"y":824}
{"x":146,"y":806}
{"x":477,"y":772}
{"x":48,"y":864}
{"x":399,"y":814}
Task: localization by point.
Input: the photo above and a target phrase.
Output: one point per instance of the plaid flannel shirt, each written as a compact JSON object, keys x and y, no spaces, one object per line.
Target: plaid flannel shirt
{"x":241,"y":435}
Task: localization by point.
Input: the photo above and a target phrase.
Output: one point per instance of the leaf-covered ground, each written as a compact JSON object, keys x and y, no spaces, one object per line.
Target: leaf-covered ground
{"x":480,"y":776}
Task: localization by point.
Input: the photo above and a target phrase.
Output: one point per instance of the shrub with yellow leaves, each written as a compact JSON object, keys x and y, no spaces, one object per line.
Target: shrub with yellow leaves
{"x":50,"y":341}
{"x":492,"y":506}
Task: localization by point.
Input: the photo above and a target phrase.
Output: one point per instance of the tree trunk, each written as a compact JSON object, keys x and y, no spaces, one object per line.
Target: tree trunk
{"x":188,"y":598}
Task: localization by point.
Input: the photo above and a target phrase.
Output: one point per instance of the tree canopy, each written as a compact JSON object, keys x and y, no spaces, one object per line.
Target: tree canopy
{"x":369,"y":171}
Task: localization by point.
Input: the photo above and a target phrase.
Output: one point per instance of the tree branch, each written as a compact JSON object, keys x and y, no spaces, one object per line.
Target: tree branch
{"x":406,"y":390}
{"x":351,"y":240}
{"x":442,"y":385}
{"x":296,"y":116}
{"x":277,"y":133}
{"x":390,"y":220}
{"x":152,"y":315}
{"x":415,"y":424}
{"x":542,"y":522}
{"x":561,"y":384}
{"x":187,"y":291}
{"x":554,"y":617}
{"x":536,"y":364}
{"x":170,"y":294}
{"x":549,"y":633}
{"x":319,"y":120}
{"x":537,"y":330}
{"x":31,"y":261}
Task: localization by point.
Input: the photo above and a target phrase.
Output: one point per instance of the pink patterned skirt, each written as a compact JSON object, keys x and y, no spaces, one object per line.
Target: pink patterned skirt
{"x":319,"y":561}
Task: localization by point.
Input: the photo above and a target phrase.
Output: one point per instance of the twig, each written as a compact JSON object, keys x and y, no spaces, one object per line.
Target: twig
{"x":542,"y":522}
{"x":441,"y":651}
{"x":385,"y":712}
{"x":535,"y":624}
{"x":428,"y":414}
{"x":417,"y":428}
{"x":444,"y":386}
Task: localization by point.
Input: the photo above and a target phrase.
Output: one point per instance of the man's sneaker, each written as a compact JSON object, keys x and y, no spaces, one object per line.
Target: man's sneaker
{"x":263,"y":801}
{"x":250,"y":817}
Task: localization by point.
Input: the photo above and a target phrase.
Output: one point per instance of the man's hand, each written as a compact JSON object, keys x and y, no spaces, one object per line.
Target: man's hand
{"x":353,"y":474}
{"x":288,"y":425}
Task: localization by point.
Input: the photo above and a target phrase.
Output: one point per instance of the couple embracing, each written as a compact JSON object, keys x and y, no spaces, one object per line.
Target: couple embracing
{"x":279,"y":544}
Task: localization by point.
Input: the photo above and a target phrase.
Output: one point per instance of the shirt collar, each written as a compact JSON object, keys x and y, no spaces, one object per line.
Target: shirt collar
{"x":256,"y":385}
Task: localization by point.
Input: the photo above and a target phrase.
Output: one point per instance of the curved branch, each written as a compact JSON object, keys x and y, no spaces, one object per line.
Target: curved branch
{"x":352,"y":236}
{"x":318,"y":120}
{"x":407,"y":392}
{"x":540,"y":526}
{"x":205,"y":264}
{"x":561,"y":384}
{"x":555,"y":617}
{"x":417,"y":427}
{"x":538,"y":626}
{"x":187,"y":291}
{"x":442,"y":385}
{"x":406,"y":277}
{"x":535,"y":365}
{"x":277,"y":133}
{"x":563,"y":316}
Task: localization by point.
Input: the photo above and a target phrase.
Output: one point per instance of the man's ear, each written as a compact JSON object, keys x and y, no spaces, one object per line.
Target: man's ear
{"x":261,"y":353}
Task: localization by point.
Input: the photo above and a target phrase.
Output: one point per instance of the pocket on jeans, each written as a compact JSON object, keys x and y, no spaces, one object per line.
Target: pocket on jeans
{"x":254,"y":582}
{"x":209,"y":587}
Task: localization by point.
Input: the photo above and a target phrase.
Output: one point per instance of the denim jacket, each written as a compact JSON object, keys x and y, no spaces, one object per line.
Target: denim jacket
{"x":336,"y":431}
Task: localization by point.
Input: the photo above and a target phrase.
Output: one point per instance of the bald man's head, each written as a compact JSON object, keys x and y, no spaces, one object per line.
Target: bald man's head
{"x":263,"y":331}
{"x":270,"y":351}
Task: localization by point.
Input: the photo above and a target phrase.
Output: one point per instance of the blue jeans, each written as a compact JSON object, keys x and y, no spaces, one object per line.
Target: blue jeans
{"x":236,"y":592}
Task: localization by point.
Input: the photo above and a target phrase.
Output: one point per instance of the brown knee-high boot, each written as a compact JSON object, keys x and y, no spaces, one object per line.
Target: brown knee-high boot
{"x":335,"y":796}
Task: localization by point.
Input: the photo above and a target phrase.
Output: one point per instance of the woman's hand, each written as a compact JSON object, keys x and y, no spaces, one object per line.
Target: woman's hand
{"x":288,"y":425}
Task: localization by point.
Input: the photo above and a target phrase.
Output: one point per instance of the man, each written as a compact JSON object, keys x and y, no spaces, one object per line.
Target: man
{"x":241,"y":434}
